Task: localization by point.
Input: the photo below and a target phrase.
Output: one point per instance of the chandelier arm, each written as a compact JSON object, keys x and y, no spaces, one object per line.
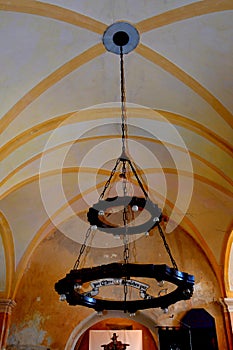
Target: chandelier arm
{"x":167,"y":247}
{"x":109,"y":179}
{"x":137,"y":177}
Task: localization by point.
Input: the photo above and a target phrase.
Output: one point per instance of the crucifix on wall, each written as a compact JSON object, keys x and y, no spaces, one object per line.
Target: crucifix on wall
{"x":114,"y":344}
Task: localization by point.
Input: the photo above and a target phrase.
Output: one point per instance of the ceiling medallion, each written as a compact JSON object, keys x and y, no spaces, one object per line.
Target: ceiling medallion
{"x":121,"y":35}
{"x":117,"y":215}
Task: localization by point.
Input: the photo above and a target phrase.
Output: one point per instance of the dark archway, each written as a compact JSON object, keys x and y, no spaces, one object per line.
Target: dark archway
{"x":196,"y":331}
{"x":203,"y":329}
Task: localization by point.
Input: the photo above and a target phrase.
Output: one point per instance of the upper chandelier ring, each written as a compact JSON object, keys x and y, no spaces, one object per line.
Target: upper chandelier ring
{"x":94,"y":216}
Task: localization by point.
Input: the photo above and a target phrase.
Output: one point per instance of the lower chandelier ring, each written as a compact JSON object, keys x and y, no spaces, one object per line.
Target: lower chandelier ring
{"x":69,"y":288}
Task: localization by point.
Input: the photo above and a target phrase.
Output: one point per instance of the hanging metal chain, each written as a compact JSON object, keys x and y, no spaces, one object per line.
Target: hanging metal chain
{"x":167,"y":248}
{"x":125,"y":215}
{"x":134,"y":251}
{"x":82,"y":249}
{"x":123,"y":103}
{"x":109,"y":179}
{"x":125,"y":223}
{"x":123,"y":124}
{"x":138,"y":179}
{"x":126,"y":260}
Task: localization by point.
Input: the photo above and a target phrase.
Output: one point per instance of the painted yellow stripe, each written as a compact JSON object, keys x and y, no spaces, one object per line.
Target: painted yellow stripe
{"x":90,"y":114}
{"x":195,"y":9}
{"x":53,"y":11}
{"x":194,"y":85}
{"x":54,"y":172}
{"x":140,"y":138}
{"x":226,"y":256}
{"x":62,"y":14}
{"x":49,"y":81}
{"x":8,"y":244}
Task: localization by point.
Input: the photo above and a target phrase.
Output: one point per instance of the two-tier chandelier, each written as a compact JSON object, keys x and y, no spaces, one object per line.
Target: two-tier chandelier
{"x":121,"y":38}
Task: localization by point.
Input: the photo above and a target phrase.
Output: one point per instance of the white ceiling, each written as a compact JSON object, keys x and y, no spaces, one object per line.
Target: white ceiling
{"x":60,"y":117}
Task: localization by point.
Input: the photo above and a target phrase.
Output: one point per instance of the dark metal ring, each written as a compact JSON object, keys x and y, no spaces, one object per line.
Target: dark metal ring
{"x":142,"y":203}
{"x":68,"y":287}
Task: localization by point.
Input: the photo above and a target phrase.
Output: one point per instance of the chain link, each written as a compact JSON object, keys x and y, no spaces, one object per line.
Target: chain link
{"x":123,"y":101}
{"x":167,"y":248}
{"x":134,"y":251}
{"x":82,"y":248}
{"x":110,"y":178}
{"x":125,"y":223}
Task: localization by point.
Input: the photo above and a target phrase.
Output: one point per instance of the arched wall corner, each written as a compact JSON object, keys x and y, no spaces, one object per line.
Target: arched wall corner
{"x":94,"y":318}
{"x":228,"y":267}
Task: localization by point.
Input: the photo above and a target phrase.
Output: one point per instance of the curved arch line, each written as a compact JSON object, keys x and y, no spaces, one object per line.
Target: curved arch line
{"x":38,"y":156}
{"x":49,"y":81}
{"x":185,"y":78}
{"x":84,"y":115}
{"x":198,"y":177}
{"x":182,"y":13}
{"x":55,"y":12}
{"x":229,"y":249}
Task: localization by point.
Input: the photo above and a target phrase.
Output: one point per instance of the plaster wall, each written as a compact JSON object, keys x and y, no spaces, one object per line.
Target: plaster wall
{"x":40,"y":319}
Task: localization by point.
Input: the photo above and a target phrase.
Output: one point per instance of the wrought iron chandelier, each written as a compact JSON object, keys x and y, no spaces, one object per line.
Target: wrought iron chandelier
{"x":121,"y":38}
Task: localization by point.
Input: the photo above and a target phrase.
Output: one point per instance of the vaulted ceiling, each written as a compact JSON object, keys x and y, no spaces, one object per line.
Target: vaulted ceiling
{"x":60,"y":123}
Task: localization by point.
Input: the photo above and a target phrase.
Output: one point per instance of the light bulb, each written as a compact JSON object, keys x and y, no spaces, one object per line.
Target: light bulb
{"x":62,"y":297}
{"x":160,"y":283}
{"x":156,"y":219}
{"x":77,"y":286}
